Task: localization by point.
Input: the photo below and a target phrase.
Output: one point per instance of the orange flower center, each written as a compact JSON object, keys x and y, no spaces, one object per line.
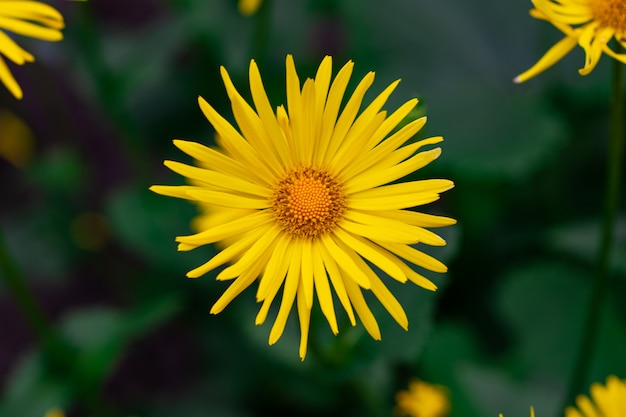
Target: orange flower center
{"x":308,"y":202}
{"x":610,"y":13}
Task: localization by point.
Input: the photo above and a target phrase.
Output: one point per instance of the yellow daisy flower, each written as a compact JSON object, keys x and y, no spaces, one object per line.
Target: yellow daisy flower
{"x":423,"y":400}
{"x":606,"y":400}
{"x":28,"y":18}
{"x":249,"y":7}
{"x":592,"y":24}
{"x":300,"y":198}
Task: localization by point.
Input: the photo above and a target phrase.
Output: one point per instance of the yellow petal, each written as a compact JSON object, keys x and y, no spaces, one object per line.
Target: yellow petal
{"x":322,"y":287}
{"x":338,"y":282}
{"x":289,"y":294}
{"x":362,"y":310}
{"x":9,"y":81}
{"x":373,"y":253}
{"x":304,"y":315}
{"x":554,"y":54}
{"x":343,"y":260}
{"x":415,"y":256}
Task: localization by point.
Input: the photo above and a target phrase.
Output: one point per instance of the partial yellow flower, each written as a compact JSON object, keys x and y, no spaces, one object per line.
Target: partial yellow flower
{"x":17,"y":142}
{"x":423,"y":400}
{"x":606,"y":400}
{"x":249,"y":7}
{"x":28,"y":18}
{"x":304,"y":197}
{"x":55,"y":412}
{"x":591,"y":24}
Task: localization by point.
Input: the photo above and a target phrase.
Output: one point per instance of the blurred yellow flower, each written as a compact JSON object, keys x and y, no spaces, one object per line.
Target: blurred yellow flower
{"x":55,"y":412}
{"x":28,"y":18}
{"x":249,"y":7}
{"x":17,"y":143}
{"x":606,"y":400}
{"x":423,"y":400}
{"x":591,"y":24}
{"x":299,"y":198}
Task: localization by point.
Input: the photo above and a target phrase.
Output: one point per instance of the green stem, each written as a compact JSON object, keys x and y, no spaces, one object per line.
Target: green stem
{"x":614,"y":172}
{"x":26,"y":302}
{"x":261,"y":33}
{"x":58,"y":355}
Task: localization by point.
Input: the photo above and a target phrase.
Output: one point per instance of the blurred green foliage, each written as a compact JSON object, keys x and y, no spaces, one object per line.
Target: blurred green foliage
{"x":528,"y":162}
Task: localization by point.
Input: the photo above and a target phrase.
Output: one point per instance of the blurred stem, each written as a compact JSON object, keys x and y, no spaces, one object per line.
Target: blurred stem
{"x":614,"y":172}
{"x":25,"y":300}
{"x":109,"y":91}
{"x":59,"y":356}
{"x":261,"y":33}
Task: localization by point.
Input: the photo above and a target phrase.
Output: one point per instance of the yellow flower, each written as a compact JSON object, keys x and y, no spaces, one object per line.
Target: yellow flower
{"x":249,"y":7}
{"x":606,"y":400}
{"x":588,"y":23}
{"x":423,"y":400}
{"x":300,"y":198}
{"x":28,"y":18}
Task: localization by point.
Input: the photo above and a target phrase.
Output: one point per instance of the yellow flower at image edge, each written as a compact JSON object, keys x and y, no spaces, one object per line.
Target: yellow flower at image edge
{"x":592,"y":24}
{"x":249,"y":7}
{"x":606,"y":400}
{"x":423,"y":400}
{"x":28,"y":18}
{"x":300,"y":199}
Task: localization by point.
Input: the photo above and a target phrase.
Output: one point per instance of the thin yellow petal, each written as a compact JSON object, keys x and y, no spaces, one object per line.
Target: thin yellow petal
{"x":9,"y":81}
{"x":417,"y":219}
{"x":371,"y":252}
{"x":322,"y":287}
{"x":235,"y":143}
{"x":337,"y":280}
{"x":228,"y":199}
{"x":273,"y":278}
{"x":230,"y":229}
{"x":276,"y":267}
{"x":289,"y":294}
{"x":13,"y":51}
{"x":349,"y":114}
{"x":304,"y":315}
{"x":374,"y":178}
{"x":331,"y":110}
{"x":415,"y":256}
{"x":32,"y":30}
{"x":362,"y":310}
{"x":306,"y":276}
{"x":258,"y":253}
{"x":343,"y":260}
{"x":385,"y":297}
{"x":554,"y":54}
{"x":228,"y":254}
{"x":234,"y":289}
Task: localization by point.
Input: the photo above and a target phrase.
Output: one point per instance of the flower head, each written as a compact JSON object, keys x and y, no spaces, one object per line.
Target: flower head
{"x":606,"y":400}
{"x":27,"y":18}
{"x":423,"y":400}
{"x":300,"y":198}
{"x":591,"y":24}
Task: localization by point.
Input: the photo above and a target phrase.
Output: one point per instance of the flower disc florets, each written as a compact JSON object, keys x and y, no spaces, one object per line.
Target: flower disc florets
{"x":308,"y":202}
{"x":609,"y":13}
